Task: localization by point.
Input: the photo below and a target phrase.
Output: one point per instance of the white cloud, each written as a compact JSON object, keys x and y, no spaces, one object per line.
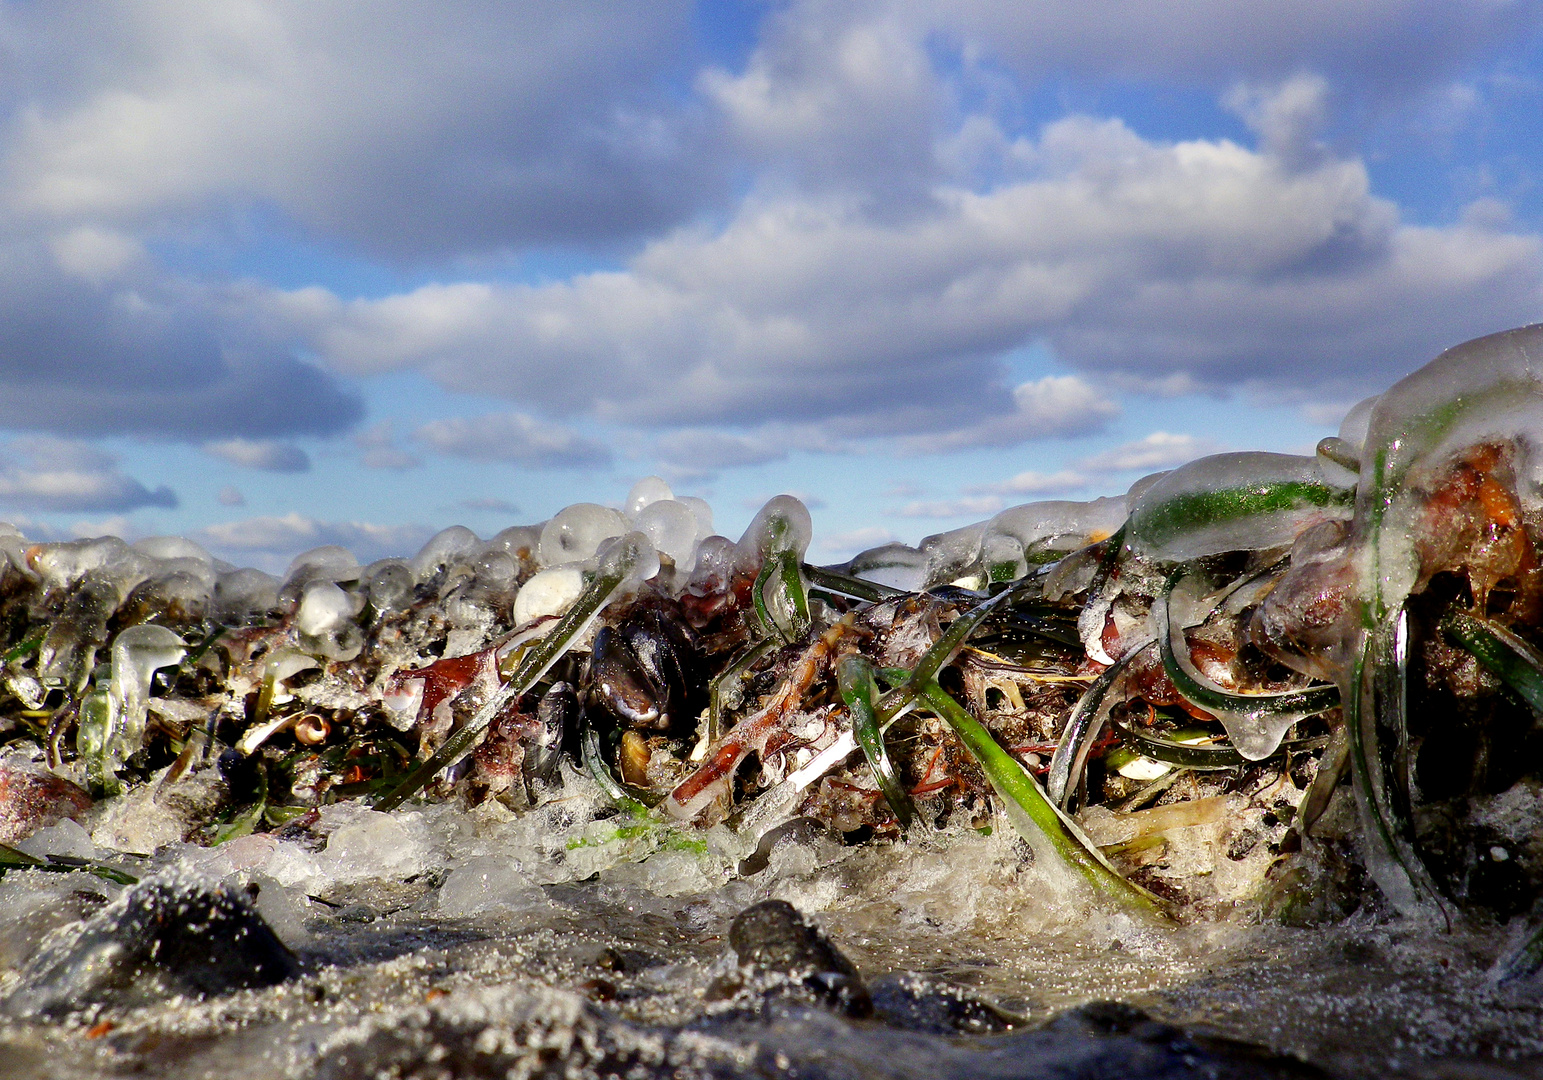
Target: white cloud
{"x":515,"y":122}
{"x":1061,"y":482}
{"x":1204,"y":261}
{"x":378,"y":449}
{"x":969,"y":506}
{"x":1387,"y":44}
{"x":64,"y":476}
{"x":266,"y":454}
{"x":489,"y":505}
{"x":1159,"y":450}
{"x":698,"y":453}
{"x":847,"y":544}
{"x":1056,"y":405}
{"x":230,"y":495}
{"x":513,"y":437}
{"x":277,"y":539}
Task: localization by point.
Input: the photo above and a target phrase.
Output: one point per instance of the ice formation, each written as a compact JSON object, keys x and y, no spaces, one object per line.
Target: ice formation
{"x":1194,"y":666}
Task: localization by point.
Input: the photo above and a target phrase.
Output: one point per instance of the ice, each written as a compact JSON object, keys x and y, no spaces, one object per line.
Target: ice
{"x":390,"y":585}
{"x":326,"y":563}
{"x":69,"y":650}
{"x":330,"y":562}
{"x":495,"y":570}
{"x":324,"y":621}
{"x":241,"y":595}
{"x":718,"y":559}
{"x":703,"y":512}
{"x":67,"y":562}
{"x":1353,"y":429}
{"x":1484,"y":391}
{"x":137,"y":654}
{"x":520,"y":541}
{"x":631,"y":556}
{"x":1058,"y":526}
{"x":173,"y":547}
{"x":1002,"y":557}
{"x":448,"y":546}
{"x":363,"y":844}
{"x":645,"y":493}
{"x":67,"y":837}
{"x":781,"y":526}
{"x":672,"y":528}
{"x":549,"y":592}
{"x":489,"y":883}
{"x":1238,"y":501}
{"x":897,"y":565}
{"x":577,"y":531}
{"x":951,"y":555}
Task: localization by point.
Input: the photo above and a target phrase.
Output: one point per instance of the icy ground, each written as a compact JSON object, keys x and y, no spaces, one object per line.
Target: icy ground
{"x":444,"y":942}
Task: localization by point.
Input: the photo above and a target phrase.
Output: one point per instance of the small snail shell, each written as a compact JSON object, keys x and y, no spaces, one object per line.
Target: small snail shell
{"x":312,"y":730}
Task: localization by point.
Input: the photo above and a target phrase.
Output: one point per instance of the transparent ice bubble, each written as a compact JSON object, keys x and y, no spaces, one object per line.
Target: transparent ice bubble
{"x":495,"y":570}
{"x":781,"y":526}
{"x":323,"y":608}
{"x":324,"y":621}
{"x":672,"y":528}
{"x":447,"y":546}
{"x":137,"y":654}
{"x":520,"y":541}
{"x":549,"y":592}
{"x":718,"y":559}
{"x":390,"y":585}
{"x":176,"y":593}
{"x":69,"y":561}
{"x":330,"y":562}
{"x":1203,"y":508}
{"x":1002,"y":556}
{"x":173,"y":547}
{"x":577,"y":532}
{"x":644,"y":493}
{"x":897,"y":565}
{"x":630,"y":556}
{"x":244,"y":594}
{"x":950,"y":555}
{"x":704,"y":515}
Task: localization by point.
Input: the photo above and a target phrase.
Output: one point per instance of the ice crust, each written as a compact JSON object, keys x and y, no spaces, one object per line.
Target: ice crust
{"x":1184,"y":515}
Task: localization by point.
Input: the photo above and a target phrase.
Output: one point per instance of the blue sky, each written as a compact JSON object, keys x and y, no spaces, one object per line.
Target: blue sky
{"x":281,"y":274}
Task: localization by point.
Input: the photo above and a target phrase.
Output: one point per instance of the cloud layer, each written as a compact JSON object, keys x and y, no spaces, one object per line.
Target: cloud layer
{"x":218,"y":223}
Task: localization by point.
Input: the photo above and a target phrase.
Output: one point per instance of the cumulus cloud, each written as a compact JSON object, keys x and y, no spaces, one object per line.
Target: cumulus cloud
{"x":1159,"y":450}
{"x":1057,"y":405}
{"x":517,"y":123}
{"x":266,"y":454}
{"x":40,"y":473}
{"x":969,"y":506}
{"x":1391,"y":44}
{"x":1031,"y":482}
{"x":1211,"y":261}
{"x":378,"y":449}
{"x":274,"y":540}
{"x":847,"y":544}
{"x":699,"y":453}
{"x":513,"y":437}
{"x":489,"y":505}
{"x":142,"y":353}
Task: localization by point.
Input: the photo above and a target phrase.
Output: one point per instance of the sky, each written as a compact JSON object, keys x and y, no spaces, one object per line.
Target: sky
{"x":281,"y":274}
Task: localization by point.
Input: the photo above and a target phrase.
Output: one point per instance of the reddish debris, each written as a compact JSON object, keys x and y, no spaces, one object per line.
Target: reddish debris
{"x":30,"y":800}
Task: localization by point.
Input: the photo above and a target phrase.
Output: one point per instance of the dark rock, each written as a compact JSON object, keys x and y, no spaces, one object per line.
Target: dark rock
{"x":545,"y":1033}
{"x":916,"y":1003}
{"x":175,"y":933}
{"x":781,"y":952}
